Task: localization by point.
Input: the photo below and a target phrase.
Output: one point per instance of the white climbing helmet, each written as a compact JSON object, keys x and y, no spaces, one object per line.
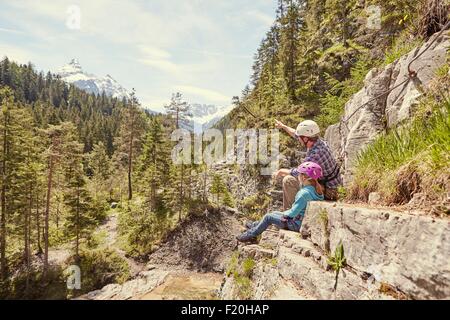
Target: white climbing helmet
{"x":307,"y":128}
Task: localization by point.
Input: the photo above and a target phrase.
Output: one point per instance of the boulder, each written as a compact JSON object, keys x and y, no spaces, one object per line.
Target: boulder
{"x":256,"y":252}
{"x":333,"y":137}
{"x":364,"y":123}
{"x":146,"y":282}
{"x":409,"y":252}
{"x":401,"y":101}
{"x":269,"y":239}
{"x":348,"y":138}
{"x":374,"y":198}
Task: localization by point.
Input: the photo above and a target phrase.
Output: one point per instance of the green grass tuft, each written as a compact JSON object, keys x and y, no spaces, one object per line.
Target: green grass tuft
{"x":409,"y":159}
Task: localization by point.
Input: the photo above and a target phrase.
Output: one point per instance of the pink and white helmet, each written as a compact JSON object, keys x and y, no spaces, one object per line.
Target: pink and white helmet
{"x":311,"y":169}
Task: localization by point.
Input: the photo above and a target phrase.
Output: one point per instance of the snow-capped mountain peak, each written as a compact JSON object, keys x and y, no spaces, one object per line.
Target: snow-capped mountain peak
{"x":73,"y":73}
{"x":71,"y":68}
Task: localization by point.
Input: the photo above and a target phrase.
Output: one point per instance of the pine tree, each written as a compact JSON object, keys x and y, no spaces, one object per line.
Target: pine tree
{"x":154,"y":166}
{"x":227,"y":199}
{"x":39,"y":195}
{"x":291,"y":21}
{"x":5,"y":72}
{"x":174,"y":195}
{"x":29,"y":167}
{"x":58,"y":136}
{"x":217,"y":187}
{"x":129,"y":139}
{"x":100,"y":166}
{"x":6,"y":104}
{"x":179,"y":111}
{"x":18,"y":167}
{"x":76,"y":197}
{"x":118,"y":178}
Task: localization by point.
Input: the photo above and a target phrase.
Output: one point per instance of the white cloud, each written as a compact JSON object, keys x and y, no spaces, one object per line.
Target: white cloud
{"x":32,"y":17}
{"x":125,"y":21}
{"x":15,"y":54}
{"x":207,"y":94}
{"x":11,"y":31}
{"x":154,"y":103}
{"x":162,"y":65}
{"x":154,"y":52}
{"x":161,"y":60}
{"x":218,"y":54}
{"x":158,"y":58}
{"x":260,"y":16}
{"x":48,"y":9}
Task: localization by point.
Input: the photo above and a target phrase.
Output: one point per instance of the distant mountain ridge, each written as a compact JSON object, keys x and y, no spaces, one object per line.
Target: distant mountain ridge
{"x":206,"y":115}
{"x":73,"y":73}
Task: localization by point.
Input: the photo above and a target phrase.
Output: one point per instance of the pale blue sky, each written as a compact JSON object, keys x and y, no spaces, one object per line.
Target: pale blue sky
{"x":202,"y":48}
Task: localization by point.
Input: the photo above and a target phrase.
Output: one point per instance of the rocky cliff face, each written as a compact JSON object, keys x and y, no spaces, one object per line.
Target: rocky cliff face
{"x":388,"y":254}
{"x":347,"y":139}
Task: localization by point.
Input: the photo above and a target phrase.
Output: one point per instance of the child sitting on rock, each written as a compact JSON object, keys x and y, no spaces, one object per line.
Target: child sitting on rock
{"x":291,"y":219}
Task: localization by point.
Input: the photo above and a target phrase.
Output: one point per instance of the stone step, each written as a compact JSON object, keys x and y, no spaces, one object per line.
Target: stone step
{"x":256,"y":252}
{"x":269,"y":239}
{"x":276,"y":195}
{"x":305,"y":273}
{"x":146,"y":281}
{"x":267,"y":284}
{"x":293,"y":240}
{"x":286,"y":290}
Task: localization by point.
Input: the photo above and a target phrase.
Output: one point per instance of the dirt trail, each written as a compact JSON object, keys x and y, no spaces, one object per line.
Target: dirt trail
{"x":59,"y":255}
{"x":110,"y":226}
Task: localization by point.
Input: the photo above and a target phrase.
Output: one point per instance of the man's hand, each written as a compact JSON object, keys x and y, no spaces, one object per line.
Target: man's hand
{"x":275,"y":174}
{"x":281,"y":173}
{"x":279,"y":124}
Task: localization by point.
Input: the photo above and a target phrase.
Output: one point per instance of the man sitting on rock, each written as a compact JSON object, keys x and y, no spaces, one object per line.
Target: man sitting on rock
{"x":318,"y":151}
{"x":291,"y":219}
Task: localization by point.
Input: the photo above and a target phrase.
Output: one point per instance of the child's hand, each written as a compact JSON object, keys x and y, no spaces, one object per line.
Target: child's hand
{"x":284,"y":219}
